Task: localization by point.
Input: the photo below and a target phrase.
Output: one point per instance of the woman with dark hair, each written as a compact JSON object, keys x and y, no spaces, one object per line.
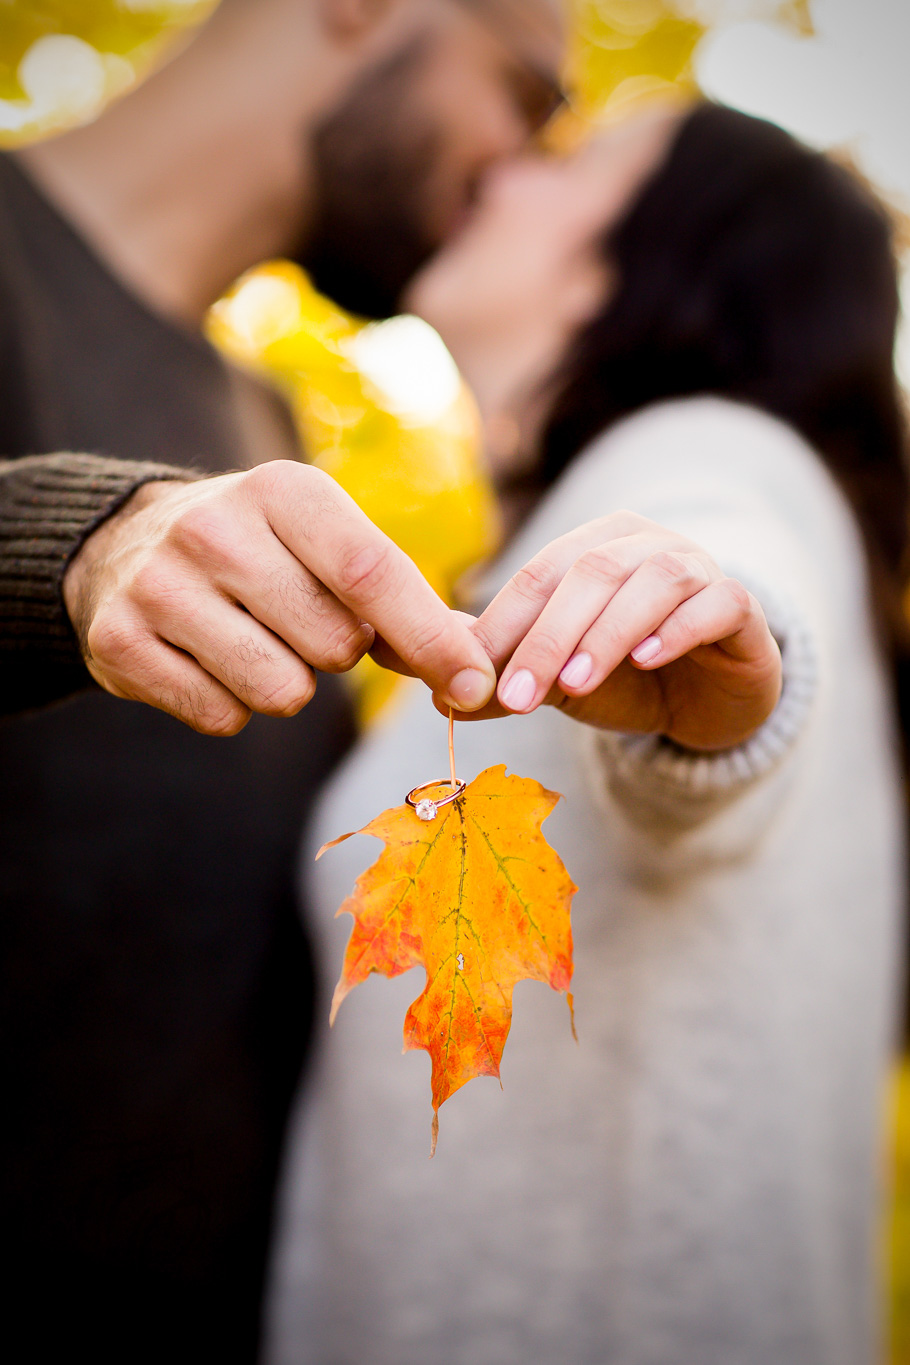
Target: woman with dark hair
{"x":759,"y":270}
{"x":693,"y":319}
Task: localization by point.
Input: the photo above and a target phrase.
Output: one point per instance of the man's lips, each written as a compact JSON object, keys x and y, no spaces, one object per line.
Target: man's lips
{"x":459,"y":221}
{"x":461,"y":213}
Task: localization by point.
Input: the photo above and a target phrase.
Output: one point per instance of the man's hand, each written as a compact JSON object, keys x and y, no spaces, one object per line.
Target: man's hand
{"x":627,"y":626}
{"x":214,"y":599}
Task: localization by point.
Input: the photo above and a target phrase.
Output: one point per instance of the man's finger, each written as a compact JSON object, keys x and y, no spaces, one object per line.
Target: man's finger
{"x":149,"y":670}
{"x":325,"y":529}
{"x":494,"y":710}
{"x":382,"y":653}
{"x":250,"y":661}
{"x":292,"y":604}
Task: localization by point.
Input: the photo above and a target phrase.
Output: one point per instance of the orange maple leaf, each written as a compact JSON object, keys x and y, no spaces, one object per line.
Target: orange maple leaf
{"x":480,"y":899}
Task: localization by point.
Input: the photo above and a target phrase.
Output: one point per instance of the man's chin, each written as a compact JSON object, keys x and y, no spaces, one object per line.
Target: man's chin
{"x":355,"y":290}
{"x":369,"y":307}
{"x":370,"y":284}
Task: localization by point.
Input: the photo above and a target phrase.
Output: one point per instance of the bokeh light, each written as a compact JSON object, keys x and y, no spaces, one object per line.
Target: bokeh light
{"x":61,"y":60}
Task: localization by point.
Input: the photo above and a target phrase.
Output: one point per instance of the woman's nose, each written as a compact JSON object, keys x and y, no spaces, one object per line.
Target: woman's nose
{"x":517,"y":176}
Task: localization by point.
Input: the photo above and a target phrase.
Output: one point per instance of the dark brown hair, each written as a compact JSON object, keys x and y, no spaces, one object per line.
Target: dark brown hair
{"x":752,"y":267}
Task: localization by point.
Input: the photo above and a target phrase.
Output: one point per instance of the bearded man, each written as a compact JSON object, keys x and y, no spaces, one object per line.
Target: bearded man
{"x":156,"y":984}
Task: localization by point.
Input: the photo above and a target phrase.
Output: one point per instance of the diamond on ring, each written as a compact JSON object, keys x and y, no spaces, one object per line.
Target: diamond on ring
{"x":427,"y":809}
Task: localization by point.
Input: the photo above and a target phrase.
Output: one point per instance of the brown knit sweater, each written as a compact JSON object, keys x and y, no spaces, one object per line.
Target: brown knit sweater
{"x":154,"y":980}
{"x":48,"y":505}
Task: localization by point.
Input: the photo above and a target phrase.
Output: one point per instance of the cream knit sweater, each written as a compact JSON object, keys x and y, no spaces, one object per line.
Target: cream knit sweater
{"x":696,"y":1182}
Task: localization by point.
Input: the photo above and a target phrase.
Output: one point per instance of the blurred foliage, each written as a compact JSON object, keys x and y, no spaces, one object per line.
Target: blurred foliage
{"x":626,"y":49}
{"x":382,"y":409}
{"x":402,"y":444}
{"x":898,"y":1232}
{"x":126,"y":27}
{"x":111,"y":42}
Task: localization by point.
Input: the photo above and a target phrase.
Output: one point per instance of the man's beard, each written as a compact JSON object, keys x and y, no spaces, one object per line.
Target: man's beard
{"x":371,"y":164}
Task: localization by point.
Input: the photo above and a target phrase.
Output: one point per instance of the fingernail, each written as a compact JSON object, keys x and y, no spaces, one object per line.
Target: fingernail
{"x":519,"y":691}
{"x":647,"y":650}
{"x":470,"y":689}
{"x":577,"y":671}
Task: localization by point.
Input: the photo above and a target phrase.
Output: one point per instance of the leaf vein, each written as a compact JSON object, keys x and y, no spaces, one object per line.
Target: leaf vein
{"x":500,"y":863}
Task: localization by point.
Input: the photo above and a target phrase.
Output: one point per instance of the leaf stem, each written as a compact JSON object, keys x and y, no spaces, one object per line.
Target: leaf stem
{"x":452,"y":748}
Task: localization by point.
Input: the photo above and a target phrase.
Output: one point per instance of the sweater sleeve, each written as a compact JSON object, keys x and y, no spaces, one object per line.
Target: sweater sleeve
{"x":660,"y":784}
{"x":48,"y":506}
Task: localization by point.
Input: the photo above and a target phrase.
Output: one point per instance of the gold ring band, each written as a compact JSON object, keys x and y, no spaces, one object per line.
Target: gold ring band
{"x":425,"y":808}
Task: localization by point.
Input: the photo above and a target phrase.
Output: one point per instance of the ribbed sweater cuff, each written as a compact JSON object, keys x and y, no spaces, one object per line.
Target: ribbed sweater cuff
{"x":48,"y":506}
{"x":672,"y":774}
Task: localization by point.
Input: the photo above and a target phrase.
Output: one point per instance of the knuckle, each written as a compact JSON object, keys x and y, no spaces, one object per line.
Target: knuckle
{"x":289,"y":695}
{"x":290,"y":485}
{"x":325,"y":499}
{"x":341,"y":649}
{"x":205,"y":707}
{"x":631,"y":523}
{"x":315,"y":479}
{"x":243,"y":666}
{"x":153,"y":584}
{"x":202,"y":532}
{"x":543,"y":646}
{"x":611,"y":637}
{"x":274,"y":687}
{"x":270,"y":478}
{"x":740,"y":596}
{"x":221,"y":721}
{"x":537,"y":579}
{"x":428,"y":647}
{"x":484,"y":637}
{"x":366,"y":570}
{"x":601,"y":565}
{"x":112,"y":637}
{"x":304,"y":691}
{"x":672,"y":567}
{"x":247,"y":650}
{"x":290,"y":590}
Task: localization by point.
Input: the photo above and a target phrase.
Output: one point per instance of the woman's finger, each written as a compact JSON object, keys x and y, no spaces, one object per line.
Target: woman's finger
{"x":516,"y":607}
{"x":609,"y":598}
{"x":723,"y":614}
{"x":638,"y":609}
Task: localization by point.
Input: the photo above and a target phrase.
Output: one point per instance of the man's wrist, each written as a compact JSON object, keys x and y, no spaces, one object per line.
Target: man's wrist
{"x":48,"y":506}
{"x":101,"y":541}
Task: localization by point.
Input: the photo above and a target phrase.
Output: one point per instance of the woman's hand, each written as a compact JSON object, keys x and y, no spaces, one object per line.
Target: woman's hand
{"x":628,"y":626}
